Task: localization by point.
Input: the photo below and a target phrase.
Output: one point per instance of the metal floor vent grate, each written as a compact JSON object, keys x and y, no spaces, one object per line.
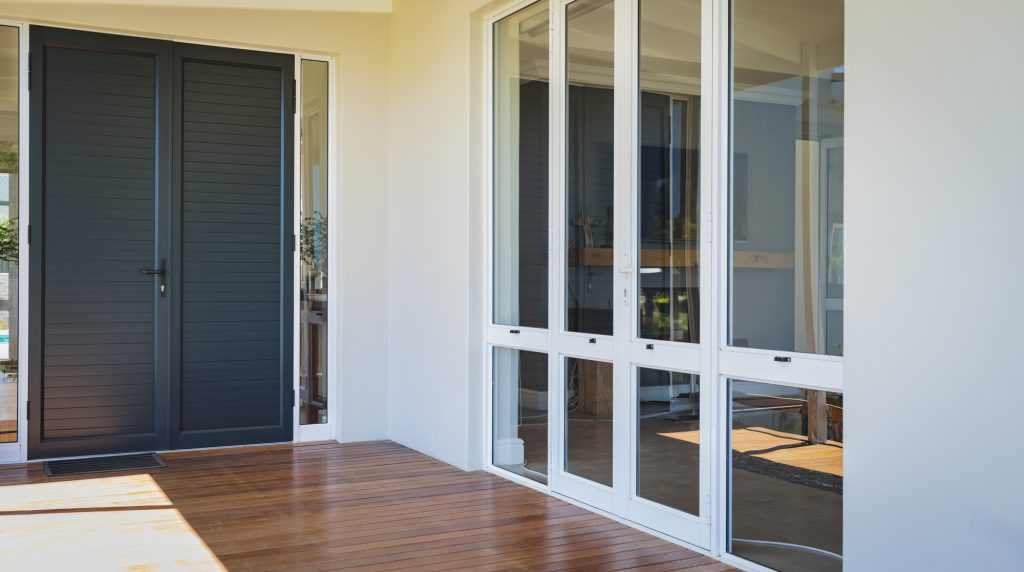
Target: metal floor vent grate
{"x":102,"y":464}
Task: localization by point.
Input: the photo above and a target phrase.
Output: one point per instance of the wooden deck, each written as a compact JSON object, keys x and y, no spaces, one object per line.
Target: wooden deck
{"x":325,"y":506}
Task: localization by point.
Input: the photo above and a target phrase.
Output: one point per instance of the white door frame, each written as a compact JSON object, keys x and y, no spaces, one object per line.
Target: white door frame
{"x":322,"y":431}
{"x":18,"y":451}
{"x":624,"y":349}
{"x":714,"y":359}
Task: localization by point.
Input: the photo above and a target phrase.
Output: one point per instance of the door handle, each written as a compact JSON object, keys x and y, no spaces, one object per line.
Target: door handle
{"x":161,"y":272}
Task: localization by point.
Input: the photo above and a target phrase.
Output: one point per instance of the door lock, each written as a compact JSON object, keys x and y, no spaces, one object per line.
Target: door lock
{"x":161,"y":272}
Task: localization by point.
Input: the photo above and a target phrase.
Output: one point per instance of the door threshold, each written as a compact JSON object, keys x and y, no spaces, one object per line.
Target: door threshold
{"x":171,"y":453}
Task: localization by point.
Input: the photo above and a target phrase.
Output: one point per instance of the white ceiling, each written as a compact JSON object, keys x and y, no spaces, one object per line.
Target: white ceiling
{"x":302,"y":5}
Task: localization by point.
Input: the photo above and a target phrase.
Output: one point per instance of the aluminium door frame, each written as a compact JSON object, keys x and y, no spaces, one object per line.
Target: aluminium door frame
{"x":18,"y":452}
{"x":718,"y":361}
{"x":624,"y":349}
{"x":331,"y":429}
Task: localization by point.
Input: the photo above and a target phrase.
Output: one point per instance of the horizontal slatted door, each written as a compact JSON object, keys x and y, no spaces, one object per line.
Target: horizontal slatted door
{"x":236,"y":327}
{"x":96,"y":116}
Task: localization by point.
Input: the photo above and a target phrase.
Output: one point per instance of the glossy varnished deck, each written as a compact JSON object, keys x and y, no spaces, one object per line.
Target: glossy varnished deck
{"x":367,"y":506}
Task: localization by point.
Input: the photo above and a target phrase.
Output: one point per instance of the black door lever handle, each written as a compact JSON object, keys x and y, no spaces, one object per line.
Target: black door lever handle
{"x":155,"y":271}
{"x":158,"y":272}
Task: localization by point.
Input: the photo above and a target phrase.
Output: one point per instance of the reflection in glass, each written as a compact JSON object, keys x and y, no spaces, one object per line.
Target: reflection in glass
{"x":787,"y":476}
{"x":8,"y":234}
{"x":787,"y":190}
{"x":668,"y":439}
{"x":669,"y":196}
{"x":590,"y":38}
{"x":521,"y":168}
{"x":313,"y":244}
{"x":520,"y":400}
{"x":588,"y":426}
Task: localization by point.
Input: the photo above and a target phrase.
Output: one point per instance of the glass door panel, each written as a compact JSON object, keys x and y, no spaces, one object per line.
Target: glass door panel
{"x":786,"y":256}
{"x":668,"y":439}
{"x":589,"y":404}
{"x":786,"y":476}
{"x":589,"y":164}
{"x":520,"y":414}
{"x":520,"y":184}
{"x":668,"y":205}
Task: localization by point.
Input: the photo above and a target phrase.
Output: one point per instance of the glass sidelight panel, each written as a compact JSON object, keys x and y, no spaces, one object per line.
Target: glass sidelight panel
{"x":313,"y":246}
{"x":590,"y":38}
{"x":520,"y":416}
{"x":588,"y":424}
{"x":668,"y":438}
{"x":787,"y":175}
{"x":9,"y":237}
{"x":669,"y":190}
{"x":786,"y":476}
{"x":521,"y":80}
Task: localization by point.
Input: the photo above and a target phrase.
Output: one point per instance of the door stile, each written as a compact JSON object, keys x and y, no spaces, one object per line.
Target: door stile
{"x":716,"y":46}
{"x":175,"y":281}
{"x":627,"y":263}
{"x":556,"y":241}
{"x":163,"y":257}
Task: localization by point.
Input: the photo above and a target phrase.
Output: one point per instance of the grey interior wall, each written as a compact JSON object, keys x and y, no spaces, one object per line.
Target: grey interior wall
{"x":533,"y":204}
{"x":763,"y":298}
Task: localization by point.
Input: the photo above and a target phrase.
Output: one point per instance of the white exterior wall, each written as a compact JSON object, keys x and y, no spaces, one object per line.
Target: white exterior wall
{"x":435,"y":375}
{"x":934,"y":196}
{"x":359,"y":42}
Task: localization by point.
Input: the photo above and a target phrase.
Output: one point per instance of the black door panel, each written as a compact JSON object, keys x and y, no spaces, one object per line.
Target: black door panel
{"x":175,"y":159}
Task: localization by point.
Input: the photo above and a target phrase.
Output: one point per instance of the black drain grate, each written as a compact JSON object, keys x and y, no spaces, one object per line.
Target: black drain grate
{"x":102,"y":464}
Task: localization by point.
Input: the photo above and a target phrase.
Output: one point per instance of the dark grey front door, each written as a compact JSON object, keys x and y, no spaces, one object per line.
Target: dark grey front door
{"x":160,"y":245}
{"x":234,"y":133}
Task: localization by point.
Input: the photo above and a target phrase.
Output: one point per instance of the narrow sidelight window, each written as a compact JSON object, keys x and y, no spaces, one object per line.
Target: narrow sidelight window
{"x":589,"y":156}
{"x":669,"y":195}
{"x":9,"y":237}
{"x":313,"y":242}
{"x":520,"y":399}
{"x":787,"y":176}
{"x":520,"y":165}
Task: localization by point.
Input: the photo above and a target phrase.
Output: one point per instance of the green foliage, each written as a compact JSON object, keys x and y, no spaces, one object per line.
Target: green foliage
{"x":8,"y":157}
{"x":9,"y":240}
{"x":313,"y":241}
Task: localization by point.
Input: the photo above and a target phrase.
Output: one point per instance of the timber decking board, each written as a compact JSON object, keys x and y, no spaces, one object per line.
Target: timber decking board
{"x":322,"y":506}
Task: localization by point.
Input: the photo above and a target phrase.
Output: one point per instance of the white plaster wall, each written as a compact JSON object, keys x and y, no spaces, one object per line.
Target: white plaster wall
{"x":934,"y":196}
{"x":360,"y":44}
{"x":435,"y":375}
